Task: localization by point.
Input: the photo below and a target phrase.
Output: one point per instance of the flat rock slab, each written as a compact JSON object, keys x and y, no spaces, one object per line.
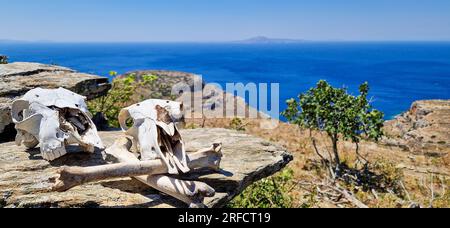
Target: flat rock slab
{"x":25,"y":179}
{"x":18,"y":78}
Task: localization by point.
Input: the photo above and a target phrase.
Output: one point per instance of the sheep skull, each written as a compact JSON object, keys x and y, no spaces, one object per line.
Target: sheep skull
{"x":155,"y":133}
{"x":52,"y":119}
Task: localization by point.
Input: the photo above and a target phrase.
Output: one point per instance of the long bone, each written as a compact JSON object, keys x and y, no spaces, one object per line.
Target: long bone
{"x":70,"y":177}
{"x":190,"y":192}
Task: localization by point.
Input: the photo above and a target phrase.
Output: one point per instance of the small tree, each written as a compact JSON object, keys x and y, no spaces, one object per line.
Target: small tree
{"x":339,"y":114}
{"x":3,"y":59}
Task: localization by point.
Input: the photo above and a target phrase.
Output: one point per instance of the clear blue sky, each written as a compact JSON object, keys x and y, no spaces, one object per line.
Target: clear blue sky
{"x":221,"y":20}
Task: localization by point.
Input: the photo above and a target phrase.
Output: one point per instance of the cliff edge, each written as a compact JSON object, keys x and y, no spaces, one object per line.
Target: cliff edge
{"x":424,"y":128}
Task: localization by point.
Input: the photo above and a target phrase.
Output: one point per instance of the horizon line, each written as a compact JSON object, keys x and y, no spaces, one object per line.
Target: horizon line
{"x":245,"y":41}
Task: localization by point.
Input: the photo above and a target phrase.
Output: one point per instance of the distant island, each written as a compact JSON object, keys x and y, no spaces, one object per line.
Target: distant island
{"x":267,"y":40}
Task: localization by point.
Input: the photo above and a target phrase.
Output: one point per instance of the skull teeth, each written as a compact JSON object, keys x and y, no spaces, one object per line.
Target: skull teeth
{"x":53,"y":155}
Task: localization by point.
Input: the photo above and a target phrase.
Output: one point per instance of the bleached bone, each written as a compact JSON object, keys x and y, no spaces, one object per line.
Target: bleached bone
{"x":190,"y":192}
{"x":155,"y":133}
{"x":70,"y":177}
{"x":52,"y":119}
{"x":193,"y":193}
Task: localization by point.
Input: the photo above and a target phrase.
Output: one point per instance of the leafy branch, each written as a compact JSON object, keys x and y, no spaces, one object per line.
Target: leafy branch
{"x":123,"y":88}
{"x":337,"y":113}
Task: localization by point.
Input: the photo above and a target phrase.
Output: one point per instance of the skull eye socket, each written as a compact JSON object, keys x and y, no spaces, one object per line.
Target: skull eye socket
{"x":181,"y":106}
{"x":20,"y":115}
{"x":129,"y":122}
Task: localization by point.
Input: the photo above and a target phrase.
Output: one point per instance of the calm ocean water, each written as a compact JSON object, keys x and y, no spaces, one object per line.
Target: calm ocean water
{"x":398,"y":73}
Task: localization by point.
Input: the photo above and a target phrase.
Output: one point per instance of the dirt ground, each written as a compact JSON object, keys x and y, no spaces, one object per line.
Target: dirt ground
{"x":424,"y":178}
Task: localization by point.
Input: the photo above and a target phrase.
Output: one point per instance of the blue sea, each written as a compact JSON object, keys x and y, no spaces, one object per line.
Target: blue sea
{"x":398,"y":72}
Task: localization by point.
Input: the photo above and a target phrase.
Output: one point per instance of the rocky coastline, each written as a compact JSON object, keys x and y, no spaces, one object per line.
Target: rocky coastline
{"x":417,"y":141}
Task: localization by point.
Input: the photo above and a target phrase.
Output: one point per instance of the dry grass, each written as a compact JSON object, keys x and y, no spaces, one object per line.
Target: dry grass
{"x":424,"y":179}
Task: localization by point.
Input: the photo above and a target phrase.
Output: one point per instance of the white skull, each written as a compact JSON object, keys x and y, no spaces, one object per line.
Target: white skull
{"x":52,"y":119}
{"x":155,"y":133}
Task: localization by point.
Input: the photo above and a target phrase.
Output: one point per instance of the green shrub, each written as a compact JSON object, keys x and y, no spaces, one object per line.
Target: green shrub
{"x":118,"y":97}
{"x":191,"y":126}
{"x":237,"y":124}
{"x":382,"y":176}
{"x":272,"y":192}
{"x":389,"y":176}
{"x":442,"y":199}
{"x":3,"y":59}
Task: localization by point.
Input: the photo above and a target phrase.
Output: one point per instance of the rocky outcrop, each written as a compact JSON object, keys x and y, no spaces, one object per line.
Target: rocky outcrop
{"x":18,"y":78}
{"x":214,"y":101}
{"x":425,"y":128}
{"x":162,"y":88}
{"x":25,"y":176}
